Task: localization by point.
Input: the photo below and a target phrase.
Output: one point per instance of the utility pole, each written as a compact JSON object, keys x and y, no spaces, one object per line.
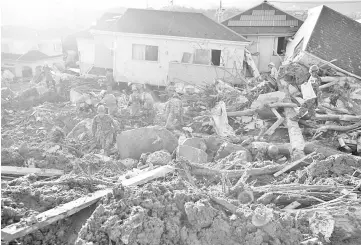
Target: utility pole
{"x":220,"y":12}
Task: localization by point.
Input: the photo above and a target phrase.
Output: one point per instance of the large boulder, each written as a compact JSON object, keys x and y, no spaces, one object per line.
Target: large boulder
{"x":132,"y":143}
{"x":192,"y":154}
{"x":198,"y":143}
{"x":226,"y":149}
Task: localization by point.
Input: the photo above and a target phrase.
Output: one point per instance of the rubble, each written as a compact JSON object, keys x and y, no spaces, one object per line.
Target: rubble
{"x":202,"y":183}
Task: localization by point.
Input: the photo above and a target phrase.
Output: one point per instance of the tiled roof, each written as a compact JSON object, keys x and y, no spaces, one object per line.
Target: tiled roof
{"x":171,"y":23}
{"x":34,"y":55}
{"x":336,"y":36}
{"x":263,"y":19}
{"x":9,"y":56}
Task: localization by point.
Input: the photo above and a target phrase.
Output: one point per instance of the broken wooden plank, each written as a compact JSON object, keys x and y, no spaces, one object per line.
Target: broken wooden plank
{"x":12,"y":232}
{"x":292,"y":165}
{"x":24,"y":171}
{"x":278,"y":123}
{"x":329,"y":117}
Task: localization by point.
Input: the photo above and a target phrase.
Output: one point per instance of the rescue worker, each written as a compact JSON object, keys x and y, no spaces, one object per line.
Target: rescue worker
{"x":123,"y":99}
{"x":50,"y":82}
{"x":110,"y":102}
{"x":262,"y":151}
{"x":273,"y":70}
{"x":170,"y":89}
{"x":103,"y":129}
{"x":85,"y":103}
{"x":109,"y":78}
{"x":148,"y":104}
{"x":311,"y":95}
{"x":135,"y":101}
{"x":174,"y":111}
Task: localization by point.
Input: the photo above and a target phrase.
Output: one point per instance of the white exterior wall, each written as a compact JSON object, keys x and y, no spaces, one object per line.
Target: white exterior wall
{"x":103,"y":51}
{"x":264,"y":45}
{"x":304,"y":32}
{"x":86,"y":49}
{"x":169,"y":50}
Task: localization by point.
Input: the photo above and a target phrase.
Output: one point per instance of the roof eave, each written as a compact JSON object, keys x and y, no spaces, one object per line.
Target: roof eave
{"x":117,"y":34}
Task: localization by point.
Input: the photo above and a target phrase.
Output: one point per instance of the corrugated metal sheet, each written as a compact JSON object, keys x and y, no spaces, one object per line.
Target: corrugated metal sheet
{"x":263,"y":12}
{"x":263,"y":17}
{"x":263,"y":23}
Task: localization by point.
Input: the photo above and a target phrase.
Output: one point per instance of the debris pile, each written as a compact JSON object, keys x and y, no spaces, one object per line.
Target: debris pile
{"x":246,"y":167}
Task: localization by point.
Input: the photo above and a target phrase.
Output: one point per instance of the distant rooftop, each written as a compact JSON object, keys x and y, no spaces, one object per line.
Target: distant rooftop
{"x":166,"y":23}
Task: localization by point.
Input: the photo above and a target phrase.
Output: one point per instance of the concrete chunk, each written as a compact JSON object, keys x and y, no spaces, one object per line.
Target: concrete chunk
{"x":198,"y":143}
{"x":226,"y":149}
{"x":192,"y":154}
{"x":132,"y":143}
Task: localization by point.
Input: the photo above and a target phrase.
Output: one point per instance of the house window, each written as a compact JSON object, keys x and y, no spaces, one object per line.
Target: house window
{"x":207,"y":57}
{"x":186,"y":57}
{"x":202,"y":56}
{"x":145,"y":52}
{"x":280,"y":45}
{"x":216,"y":57}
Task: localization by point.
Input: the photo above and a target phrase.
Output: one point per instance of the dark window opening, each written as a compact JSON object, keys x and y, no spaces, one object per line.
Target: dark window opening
{"x":216,"y":57}
{"x":281,"y":45}
{"x":186,"y":57}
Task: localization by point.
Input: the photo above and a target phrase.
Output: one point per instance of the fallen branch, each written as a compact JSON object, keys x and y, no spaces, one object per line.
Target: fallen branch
{"x":329,"y":117}
{"x":200,"y":170}
{"x":14,"y":231}
{"x":339,"y":128}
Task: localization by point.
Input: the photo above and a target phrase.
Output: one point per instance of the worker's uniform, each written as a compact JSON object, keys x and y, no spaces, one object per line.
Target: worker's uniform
{"x":110,"y":103}
{"x":259,"y":151}
{"x":174,"y":113}
{"x":123,"y":101}
{"x":135,"y":103}
{"x":148,"y":104}
{"x":85,"y":103}
{"x":311,"y":99}
{"x":50,"y":82}
{"x":104,"y":128}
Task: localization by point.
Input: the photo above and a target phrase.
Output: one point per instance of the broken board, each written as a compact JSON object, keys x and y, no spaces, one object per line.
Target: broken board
{"x":13,"y":231}
{"x":24,"y":171}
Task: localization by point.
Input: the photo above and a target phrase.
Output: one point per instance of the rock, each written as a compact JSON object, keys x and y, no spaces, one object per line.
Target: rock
{"x":226,"y":149}
{"x":198,"y":143}
{"x":213,"y":142}
{"x":132,"y":143}
{"x":159,"y":158}
{"x":192,"y":154}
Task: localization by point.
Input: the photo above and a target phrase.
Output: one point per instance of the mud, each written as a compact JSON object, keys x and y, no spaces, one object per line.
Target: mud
{"x":173,"y":213}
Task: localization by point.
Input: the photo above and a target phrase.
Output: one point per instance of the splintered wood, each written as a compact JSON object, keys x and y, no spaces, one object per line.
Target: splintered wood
{"x":14,"y":231}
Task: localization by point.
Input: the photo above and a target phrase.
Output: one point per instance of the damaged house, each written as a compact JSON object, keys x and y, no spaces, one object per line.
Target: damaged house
{"x":24,"y":49}
{"x":155,"y":47}
{"x":328,"y":37}
{"x":269,"y":29}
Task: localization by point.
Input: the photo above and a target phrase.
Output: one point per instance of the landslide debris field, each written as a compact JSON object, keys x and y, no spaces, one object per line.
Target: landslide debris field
{"x":206,"y":183}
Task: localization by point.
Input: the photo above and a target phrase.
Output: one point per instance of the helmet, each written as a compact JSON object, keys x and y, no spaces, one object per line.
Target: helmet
{"x":272,"y":151}
{"x":101,"y":109}
{"x":313,"y":68}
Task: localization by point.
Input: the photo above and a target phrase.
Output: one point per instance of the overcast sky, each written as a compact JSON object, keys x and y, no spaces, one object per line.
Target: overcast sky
{"x":49,"y":13}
